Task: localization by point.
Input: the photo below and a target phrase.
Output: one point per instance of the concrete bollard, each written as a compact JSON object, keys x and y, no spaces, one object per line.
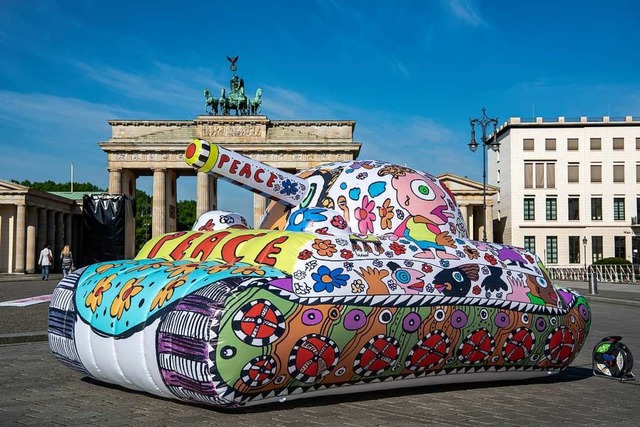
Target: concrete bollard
{"x":593,"y":283}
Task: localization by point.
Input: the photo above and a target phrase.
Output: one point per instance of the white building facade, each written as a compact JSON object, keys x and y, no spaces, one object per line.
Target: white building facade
{"x":569,"y":188}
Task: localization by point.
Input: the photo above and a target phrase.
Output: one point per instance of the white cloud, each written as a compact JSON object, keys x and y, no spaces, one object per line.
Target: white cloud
{"x":466,"y":10}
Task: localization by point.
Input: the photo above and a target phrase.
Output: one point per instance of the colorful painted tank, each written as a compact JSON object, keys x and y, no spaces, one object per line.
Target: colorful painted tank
{"x":361,"y":277}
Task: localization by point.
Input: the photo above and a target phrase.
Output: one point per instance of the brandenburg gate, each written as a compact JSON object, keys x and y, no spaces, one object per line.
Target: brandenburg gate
{"x":155,"y":147}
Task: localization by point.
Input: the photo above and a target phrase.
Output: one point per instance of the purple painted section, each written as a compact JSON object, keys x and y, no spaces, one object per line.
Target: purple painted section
{"x":182,"y":346}
{"x":196,"y":304}
{"x":286,"y":284}
{"x":175,"y":379}
{"x":567,"y":297}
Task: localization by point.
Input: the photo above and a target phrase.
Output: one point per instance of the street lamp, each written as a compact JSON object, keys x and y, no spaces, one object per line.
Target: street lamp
{"x":584,"y":244}
{"x":483,"y":122}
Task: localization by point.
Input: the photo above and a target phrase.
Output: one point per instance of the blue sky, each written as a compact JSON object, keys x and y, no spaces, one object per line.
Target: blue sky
{"x":410,"y":73}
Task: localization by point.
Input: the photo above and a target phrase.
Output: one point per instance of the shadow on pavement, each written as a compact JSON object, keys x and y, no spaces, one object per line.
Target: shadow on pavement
{"x":572,"y":373}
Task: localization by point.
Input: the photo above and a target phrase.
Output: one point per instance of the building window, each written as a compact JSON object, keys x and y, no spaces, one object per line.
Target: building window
{"x":618,"y":143}
{"x":530,"y":244}
{"x":596,"y":173}
{"x":596,"y":208}
{"x":637,"y":143}
{"x":552,"y":209}
{"x":618,"y":208}
{"x":552,"y":249}
{"x":596,"y":248}
{"x":550,"y":144}
{"x":528,"y":175}
{"x":574,"y":209}
{"x":529,"y":208}
{"x":637,"y":172}
{"x":545,"y":175}
{"x":528,"y":145}
{"x":573,"y":172}
{"x":618,"y":173}
{"x":572,"y":144}
{"x":619,"y":245}
{"x":551,"y":175}
{"x":596,"y":144}
{"x":574,"y":249}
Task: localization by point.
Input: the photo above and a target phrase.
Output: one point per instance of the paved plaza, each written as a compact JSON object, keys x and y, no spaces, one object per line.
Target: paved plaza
{"x":36,"y":389}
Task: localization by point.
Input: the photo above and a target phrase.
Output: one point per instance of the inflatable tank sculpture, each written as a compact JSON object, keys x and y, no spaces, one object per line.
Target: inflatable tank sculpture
{"x":361,"y":277}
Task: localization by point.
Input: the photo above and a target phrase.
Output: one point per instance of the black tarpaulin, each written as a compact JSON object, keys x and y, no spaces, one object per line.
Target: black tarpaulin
{"x":103,"y":227}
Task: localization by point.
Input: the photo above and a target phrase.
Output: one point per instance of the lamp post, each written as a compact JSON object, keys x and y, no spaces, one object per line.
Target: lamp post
{"x":584,"y":244}
{"x":483,"y":122}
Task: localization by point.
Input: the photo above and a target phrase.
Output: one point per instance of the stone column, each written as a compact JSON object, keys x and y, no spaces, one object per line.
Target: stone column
{"x":213,"y":193}
{"x":59,"y":243}
{"x":51,"y":233}
{"x":472,"y":223}
{"x":465,"y":214}
{"x":32,"y":224}
{"x":259,"y":206}
{"x":68,"y":232}
{"x":21,"y":222}
{"x":159,"y":203}
{"x":128,"y":180}
{"x":41,"y":231}
{"x":203,"y":201}
{"x":171,"y":197}
{"x":490,"y":223}
{"x":115,"y":181}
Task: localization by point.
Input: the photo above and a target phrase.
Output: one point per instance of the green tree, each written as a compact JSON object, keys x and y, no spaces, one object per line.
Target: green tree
{"x":85,"y":187}
{"x":186,"y":214}
{"x":143,"y":203}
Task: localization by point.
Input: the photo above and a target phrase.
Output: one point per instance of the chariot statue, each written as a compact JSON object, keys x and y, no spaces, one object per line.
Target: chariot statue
{"x":237,"y":100}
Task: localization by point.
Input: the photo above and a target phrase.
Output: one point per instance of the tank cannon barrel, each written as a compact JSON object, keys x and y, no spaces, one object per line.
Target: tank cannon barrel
{"x":246,"y":172}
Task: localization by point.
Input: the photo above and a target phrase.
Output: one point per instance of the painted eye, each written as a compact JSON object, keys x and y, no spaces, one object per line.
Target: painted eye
{"x":312,"y":192}
{"x":542,"y":282}
{"x":403,"y":276}
{"x":423,"y":190}
{"x":457,"y":276}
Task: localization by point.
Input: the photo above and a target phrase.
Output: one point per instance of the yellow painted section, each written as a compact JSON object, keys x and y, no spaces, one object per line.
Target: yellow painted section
{"x":277,"y":249}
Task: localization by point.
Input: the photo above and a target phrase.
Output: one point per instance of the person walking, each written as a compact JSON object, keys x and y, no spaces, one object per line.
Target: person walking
{"x":67,"y":260}
{"x":45,"y":261}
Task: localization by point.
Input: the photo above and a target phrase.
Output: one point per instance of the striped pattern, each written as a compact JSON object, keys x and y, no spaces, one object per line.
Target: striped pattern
{"x":62,"y":320}
{"x":203,"y":156}
{"x":186,"y":323}
{"x":190,"y":368}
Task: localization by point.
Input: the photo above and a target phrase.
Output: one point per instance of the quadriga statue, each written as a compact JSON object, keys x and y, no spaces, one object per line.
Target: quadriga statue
{"x":361,"y":277}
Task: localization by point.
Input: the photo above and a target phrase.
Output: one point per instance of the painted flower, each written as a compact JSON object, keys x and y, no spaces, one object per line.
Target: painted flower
{"x":472,"y":253}
{"x":301,"y":288}
{"x":429,"y":288}
{"x":393,"y":170}
{"x":400,"y":214}
{"x":104,"y":267}
{"x":339,"y":222}
{"x":166,"y":293}
{"x":365,"y":216}
{"x":289,"y":187}
{"x":408,"y":263}
{"x":346,"y":254}
{"x":305,"y":254}
{"x":94,"y":299}
{"x":311,"y":265}
{"x":323,"y":231}
{"x":377,"y":263}
{"x":327,"y":279}
{"x":362,"y":175}
{"x":490,"y":259}
{"x":249,"y":269}
{"x":299,"y":274}
{"x":122,"y":302}
{"x":151,"y":266}
{"x":357,"y":286}
{"x":179,"y":270}
{"x":300,"y":219}
{"x":348,"y":265}
{"x":386,"y":214}
{"x":397,"y":248}
{"x":324,"y":247}
{"x":529,"y":258}
{"x":218,"y":268}
{"x":427,"y":268}
{"x":342,"y":242}
{"x":476,"y":290}
{"x":392,"y":285}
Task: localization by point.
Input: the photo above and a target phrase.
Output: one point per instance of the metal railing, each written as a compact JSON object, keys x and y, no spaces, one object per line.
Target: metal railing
{"x":604,"y":273}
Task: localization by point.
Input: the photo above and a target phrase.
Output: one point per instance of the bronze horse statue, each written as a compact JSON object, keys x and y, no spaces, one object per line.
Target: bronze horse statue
{"x":211,"y":102}
{"x":255,"y":103}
